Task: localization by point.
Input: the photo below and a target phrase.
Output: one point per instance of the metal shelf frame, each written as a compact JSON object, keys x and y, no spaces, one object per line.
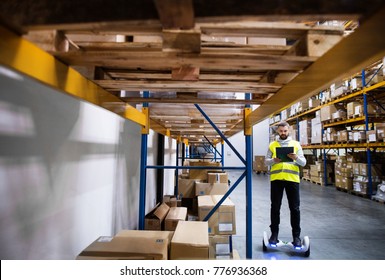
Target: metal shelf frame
{"x":363,"y":120}
{"x":247,"y":170}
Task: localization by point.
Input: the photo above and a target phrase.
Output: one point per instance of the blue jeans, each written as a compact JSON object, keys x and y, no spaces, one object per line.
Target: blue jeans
{"x":292,"y":193}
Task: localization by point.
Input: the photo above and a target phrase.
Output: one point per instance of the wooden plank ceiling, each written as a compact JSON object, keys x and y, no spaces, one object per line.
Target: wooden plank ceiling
{"x":186,"y":52}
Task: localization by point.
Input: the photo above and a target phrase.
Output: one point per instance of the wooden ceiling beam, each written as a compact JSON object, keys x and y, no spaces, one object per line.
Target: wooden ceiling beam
{"x":268,"y":30}
{"x":164,"y":61}
{"x":191,"y":100}
{"x":188,"y":86}
{"x":175,"y":14}
{"x":130,"y":74}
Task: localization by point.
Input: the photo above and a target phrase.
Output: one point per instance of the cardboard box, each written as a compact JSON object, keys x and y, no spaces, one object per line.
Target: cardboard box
{"x":190,"y":241}
{"x":131,"y":245}
{"x":260,"y":159}
{"x":172,"y":200}
{"x":175,"y":214}
{"x":186,"y":188}
{"x":376,"y":169}
{"x":219,"y":246}
{"x":211,"y":189}
{"x":223,"y":219}
{"x":201,"y":174}
{"x":260,"y":167}
{"x":371,"y":135}
{"x":327,"y":111}
{"x":217,"y":177}
{"x":314,"y":103}
{"x":154,"y":219}
{"x":350,"y":108}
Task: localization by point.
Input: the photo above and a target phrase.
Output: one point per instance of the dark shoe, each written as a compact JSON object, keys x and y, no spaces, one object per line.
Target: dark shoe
{"x":273,"y":238}
{"x":297,"y":242}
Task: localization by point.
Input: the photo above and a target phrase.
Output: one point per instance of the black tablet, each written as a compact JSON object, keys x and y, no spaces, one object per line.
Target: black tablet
{"x":282,"y":153}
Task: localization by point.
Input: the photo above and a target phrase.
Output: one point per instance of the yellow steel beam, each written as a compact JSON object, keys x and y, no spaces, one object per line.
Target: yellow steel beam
{"x":25,"y":57}
{"x":159,"y":128}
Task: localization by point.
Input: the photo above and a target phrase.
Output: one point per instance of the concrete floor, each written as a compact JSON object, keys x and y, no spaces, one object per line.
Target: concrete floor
{"x":341,"y":226}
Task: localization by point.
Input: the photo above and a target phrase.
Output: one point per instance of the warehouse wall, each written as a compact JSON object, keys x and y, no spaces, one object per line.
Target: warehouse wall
{"x":260,"y":144}
{"x":69,"y":171}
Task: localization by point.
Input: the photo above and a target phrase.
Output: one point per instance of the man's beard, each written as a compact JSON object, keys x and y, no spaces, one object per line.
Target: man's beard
{"x":283,"y":137}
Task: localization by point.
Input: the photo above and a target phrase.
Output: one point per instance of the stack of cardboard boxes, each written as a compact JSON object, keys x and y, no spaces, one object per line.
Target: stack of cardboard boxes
{"x":259,"y":164}
{"x":200,"y":191}
{"x":351,"y":173}
{"x":177,"y":228}
{"x":317,"y":172}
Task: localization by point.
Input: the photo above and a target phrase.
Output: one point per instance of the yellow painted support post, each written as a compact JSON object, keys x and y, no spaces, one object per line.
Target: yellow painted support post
{"x":248,"y":128}
{"x":146,"y":127}
{"x":23,"y":56}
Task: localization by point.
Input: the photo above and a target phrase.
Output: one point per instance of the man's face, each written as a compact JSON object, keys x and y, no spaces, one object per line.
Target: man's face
{"x":283,"y":132}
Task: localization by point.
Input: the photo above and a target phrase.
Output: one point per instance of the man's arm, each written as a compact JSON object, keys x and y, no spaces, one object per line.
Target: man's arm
{"x":300,"y":160}
{"x":269,"y":161}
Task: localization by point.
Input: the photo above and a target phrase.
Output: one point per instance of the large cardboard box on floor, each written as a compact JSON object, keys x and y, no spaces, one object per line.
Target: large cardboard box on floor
{"x":154,"y":219}
{"x":210,"y":189}
{"x":175,"y":214}
{"x":223,"y":219}
{"x":190,"y":241}
{"x":131,"y":245}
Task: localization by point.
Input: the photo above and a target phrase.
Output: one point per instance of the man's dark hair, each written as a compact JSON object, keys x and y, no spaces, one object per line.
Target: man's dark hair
{"x":283,"y":123}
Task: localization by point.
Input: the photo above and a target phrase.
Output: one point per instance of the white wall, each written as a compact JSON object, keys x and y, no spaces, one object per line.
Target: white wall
{"x":260,"y":144}
{"x":169,"y":159}
{"x":69,"y":172}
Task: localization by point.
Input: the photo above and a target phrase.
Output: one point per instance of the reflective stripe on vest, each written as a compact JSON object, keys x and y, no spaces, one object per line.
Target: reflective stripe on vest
{"x":287,"y":171}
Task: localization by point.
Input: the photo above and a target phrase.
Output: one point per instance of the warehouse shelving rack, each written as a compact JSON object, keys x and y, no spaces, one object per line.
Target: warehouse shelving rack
{"x":362,"y":120}
{"x":247,"y":171}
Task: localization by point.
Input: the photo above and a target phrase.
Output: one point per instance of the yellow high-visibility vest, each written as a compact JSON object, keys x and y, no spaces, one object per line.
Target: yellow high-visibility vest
{"x":287,"y":171}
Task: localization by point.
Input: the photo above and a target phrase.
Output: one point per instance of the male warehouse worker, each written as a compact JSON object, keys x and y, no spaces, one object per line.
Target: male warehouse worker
{"x":284,"y":176}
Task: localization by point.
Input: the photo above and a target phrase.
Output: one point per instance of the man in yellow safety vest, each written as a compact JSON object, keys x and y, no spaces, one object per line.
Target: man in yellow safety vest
{"x":284,"y":176}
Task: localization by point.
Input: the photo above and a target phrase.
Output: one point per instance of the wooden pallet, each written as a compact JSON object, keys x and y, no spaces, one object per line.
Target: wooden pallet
{"x":312,"y":181}
{"x":382,"y":201}
{"x":364,"y":195}
{"x":343,"y":190}
{"x":354,"y":116}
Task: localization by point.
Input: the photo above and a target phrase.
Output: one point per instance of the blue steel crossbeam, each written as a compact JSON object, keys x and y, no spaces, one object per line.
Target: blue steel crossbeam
{"x":220,"y":133}
{"x":213,"y":146}
{"x":208,"y":216}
